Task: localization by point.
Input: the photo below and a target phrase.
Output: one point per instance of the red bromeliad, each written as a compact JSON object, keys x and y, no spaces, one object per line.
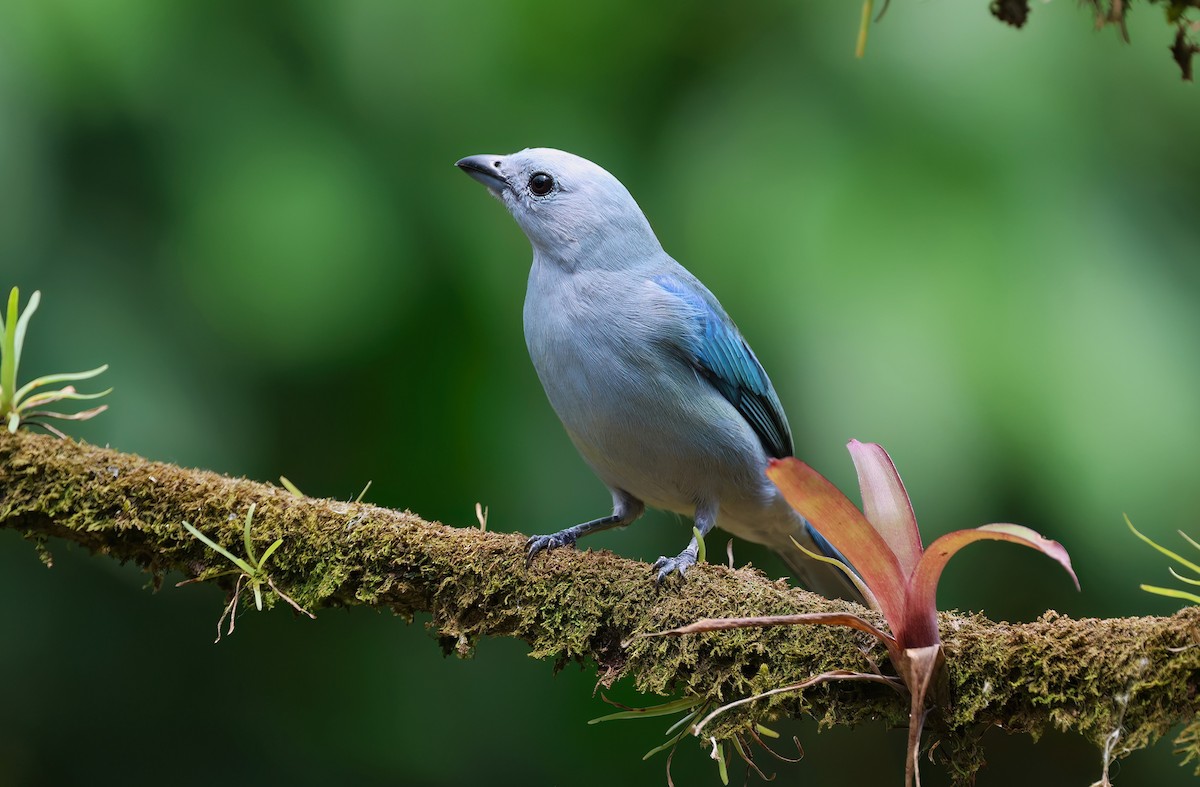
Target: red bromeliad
{"x":899,"y":575}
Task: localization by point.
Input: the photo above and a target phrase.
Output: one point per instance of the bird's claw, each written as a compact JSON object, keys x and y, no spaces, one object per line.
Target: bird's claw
{"x":666,"y":566}
{"x":536,"y":544}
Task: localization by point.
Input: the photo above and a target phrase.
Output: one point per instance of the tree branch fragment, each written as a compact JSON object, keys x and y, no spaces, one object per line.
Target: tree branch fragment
{"x":1095,"y":677}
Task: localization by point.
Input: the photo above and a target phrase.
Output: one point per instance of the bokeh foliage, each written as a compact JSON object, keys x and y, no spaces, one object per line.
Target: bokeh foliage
{"x":977,"y":247}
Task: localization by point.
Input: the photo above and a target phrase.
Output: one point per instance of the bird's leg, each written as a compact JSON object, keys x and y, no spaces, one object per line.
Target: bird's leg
{"x":626,"y":508}
{"x":706,"y":518}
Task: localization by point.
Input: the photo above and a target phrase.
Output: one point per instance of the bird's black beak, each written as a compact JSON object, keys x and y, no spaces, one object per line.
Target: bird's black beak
{"x":486,"y":170}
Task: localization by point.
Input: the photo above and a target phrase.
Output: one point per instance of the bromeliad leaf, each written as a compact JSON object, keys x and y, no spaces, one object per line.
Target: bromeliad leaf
{"x":921,"y":612}
{"x":886,"y":504}
{"x":840,"y":521}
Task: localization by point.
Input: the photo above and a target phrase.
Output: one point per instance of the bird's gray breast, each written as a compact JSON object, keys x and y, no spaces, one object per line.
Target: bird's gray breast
{"x":595,"y":341}
{"x":606,"y":347}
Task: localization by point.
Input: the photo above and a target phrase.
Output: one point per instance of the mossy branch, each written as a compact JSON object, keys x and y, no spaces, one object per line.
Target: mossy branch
{"x":1136,"y":675}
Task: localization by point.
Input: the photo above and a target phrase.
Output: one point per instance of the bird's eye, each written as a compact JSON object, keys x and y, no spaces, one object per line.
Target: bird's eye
{"x":540,"y":183}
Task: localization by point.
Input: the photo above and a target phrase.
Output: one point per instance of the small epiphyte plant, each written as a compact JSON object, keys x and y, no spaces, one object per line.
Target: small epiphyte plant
{"x":899,"y":576}
{"x":294,"y":490}
{"x":1189,"y":565}
{"x":252,"y":572}
{"x":18,"y":405}
{"x":694,"y":709}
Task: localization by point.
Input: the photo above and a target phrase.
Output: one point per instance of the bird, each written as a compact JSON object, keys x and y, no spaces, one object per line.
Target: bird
{"x":653,"y":382}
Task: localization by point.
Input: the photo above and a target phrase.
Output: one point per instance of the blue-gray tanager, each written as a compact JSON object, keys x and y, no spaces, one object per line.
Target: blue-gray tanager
{"x":654,"y":383}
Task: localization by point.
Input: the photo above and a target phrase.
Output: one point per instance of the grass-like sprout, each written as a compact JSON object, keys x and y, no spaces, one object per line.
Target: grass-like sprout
{"x":1189,"y":565}
{"x":252,"y":572}
{"x":19,"y":405}
{"x":694,"y":709}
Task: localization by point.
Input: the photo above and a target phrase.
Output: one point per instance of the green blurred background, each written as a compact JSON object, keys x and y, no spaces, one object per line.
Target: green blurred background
{"x":977,"y":246}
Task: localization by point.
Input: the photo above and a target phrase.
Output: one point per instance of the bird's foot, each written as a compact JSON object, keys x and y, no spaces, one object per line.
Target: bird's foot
{"x":666,"y":566}
{"x":536,"y":544}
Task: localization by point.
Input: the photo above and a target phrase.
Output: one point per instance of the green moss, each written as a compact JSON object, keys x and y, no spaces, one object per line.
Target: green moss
{"x":580,"y":606}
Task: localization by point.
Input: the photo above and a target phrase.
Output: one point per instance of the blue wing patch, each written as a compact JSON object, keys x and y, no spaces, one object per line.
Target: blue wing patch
{"x":722,"y":356}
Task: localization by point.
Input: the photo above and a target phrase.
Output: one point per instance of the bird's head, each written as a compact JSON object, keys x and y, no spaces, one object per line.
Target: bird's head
{"x":572,"y":211}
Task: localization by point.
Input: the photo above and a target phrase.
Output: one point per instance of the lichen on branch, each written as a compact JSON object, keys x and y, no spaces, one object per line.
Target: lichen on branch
{"x":1089,"y":676}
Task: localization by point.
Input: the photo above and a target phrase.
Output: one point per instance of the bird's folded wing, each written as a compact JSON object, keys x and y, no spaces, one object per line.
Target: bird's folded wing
{"x":718,"y":351}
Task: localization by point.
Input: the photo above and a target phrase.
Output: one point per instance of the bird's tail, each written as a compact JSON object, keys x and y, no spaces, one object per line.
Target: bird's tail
{"x":818,"y":576}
